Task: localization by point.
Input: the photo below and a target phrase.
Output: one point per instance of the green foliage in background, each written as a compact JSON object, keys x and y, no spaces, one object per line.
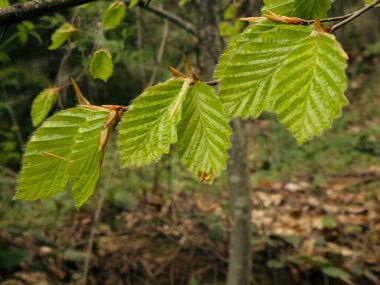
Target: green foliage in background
{"x":61,"y":35}
{"x":101,"y":64}
{"x":114,"y":15}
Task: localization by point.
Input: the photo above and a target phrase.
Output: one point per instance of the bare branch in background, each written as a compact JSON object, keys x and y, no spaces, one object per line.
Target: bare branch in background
{"x":23,"y":11}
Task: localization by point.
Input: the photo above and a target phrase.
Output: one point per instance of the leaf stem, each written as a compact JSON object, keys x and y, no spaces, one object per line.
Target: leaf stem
{"x":181,"y":95}
{"x":355,"y":15}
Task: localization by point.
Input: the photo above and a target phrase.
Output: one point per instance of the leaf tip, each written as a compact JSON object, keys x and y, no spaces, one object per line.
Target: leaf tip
{"x":207,"y":177}
{"x":81,"y":99}
{"x":252,"y":19}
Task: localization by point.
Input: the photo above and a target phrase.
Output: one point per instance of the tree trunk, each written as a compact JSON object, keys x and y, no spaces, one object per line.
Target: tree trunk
{"x":239,"y":271}
{"x":239,"y":265}
{"x":240,"y":255}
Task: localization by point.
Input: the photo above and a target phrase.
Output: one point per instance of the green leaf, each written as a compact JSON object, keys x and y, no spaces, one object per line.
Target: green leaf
{"x":114,"y":15}
{"x":4,"y":57}
{"x":369,"y":2}
{"x":64,"y":147}
{"x":4,"y":3}
{"x":309,"y":86}
{"x":329,"y":223}
{"x":203,"y":132}
{"x":86,"y":157}
{"x":281,"y":7}
{"x":133,"y":3}
{"x":336,"y":273}
{"x":61,"y":35}
{"x":101,"y":65}
{"x":306,"y":9}
{"x":149,"y":127}
{"x":276,"y":264}
{"x":247,"y":67}
{"x":23,"y":33}
{"x":294,"y":71}
{"x":43,"y":104}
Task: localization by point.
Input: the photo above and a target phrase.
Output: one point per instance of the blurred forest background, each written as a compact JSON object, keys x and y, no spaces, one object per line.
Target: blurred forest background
{"x":316,"y":207}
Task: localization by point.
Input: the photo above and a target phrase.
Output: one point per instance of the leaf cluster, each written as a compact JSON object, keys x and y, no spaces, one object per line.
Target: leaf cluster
{"x":294,"y":71}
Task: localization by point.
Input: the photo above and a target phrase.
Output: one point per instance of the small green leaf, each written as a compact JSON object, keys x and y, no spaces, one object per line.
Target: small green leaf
{"x":24,"y":29}
{"x":369,"y":2}
{"x":203,"y":132}
{"x":114,"y":15}
{"x":61,"y":35}
{"x":329,"y":223}
{"x":43,"y":104}
{"x":4,"y":57}
{"x":101,"y":65}
{"x":29,"y":25}
{"x":276,"y":264}
{"x":336,"y":273}
{"x":4,"y":3}
{"x":133,"y":3}
{"x":306,"y":9}
{"x":149,"y":128}
{"x":64,"y":147}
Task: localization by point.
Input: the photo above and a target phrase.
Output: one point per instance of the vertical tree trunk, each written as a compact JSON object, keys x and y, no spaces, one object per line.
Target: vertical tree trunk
{"x":239,"y":265}
{"x":239,"y":271}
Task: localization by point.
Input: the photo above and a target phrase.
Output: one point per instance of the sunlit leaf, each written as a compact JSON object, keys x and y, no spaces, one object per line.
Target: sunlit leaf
{"x":23,"y":33}
{"x":64,"y":147}
{"x":295,"y":71}
{"x":101,"y":65}
{"x":114,"y":15}
{"x":4,"y":3}
{"x":133,"y":3}
{"x":309,"y":86}
{"x":86,"y":156}
{"x":149,"y":127}
{"x":247,"y":67}
{"x":43,"y":104}
{"x":203,"y":132}
{"x":61,"y":35}
{"x":369,"y":2}
{"x":306,"y":9}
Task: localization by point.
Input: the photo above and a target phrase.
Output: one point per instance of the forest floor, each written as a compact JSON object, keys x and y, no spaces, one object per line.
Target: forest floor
{"x":302,"y":234}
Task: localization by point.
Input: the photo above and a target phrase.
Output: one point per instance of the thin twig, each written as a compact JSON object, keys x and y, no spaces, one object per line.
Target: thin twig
{"x":355,"y":15}
{"x":8,"y":171}
{"x":21,"y":11}
{"x":160,"y":53}
{"x":139,"y":43}
{"x":327,"y":20}
{"x":30,"y":9}
{"x":186,"y":25}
